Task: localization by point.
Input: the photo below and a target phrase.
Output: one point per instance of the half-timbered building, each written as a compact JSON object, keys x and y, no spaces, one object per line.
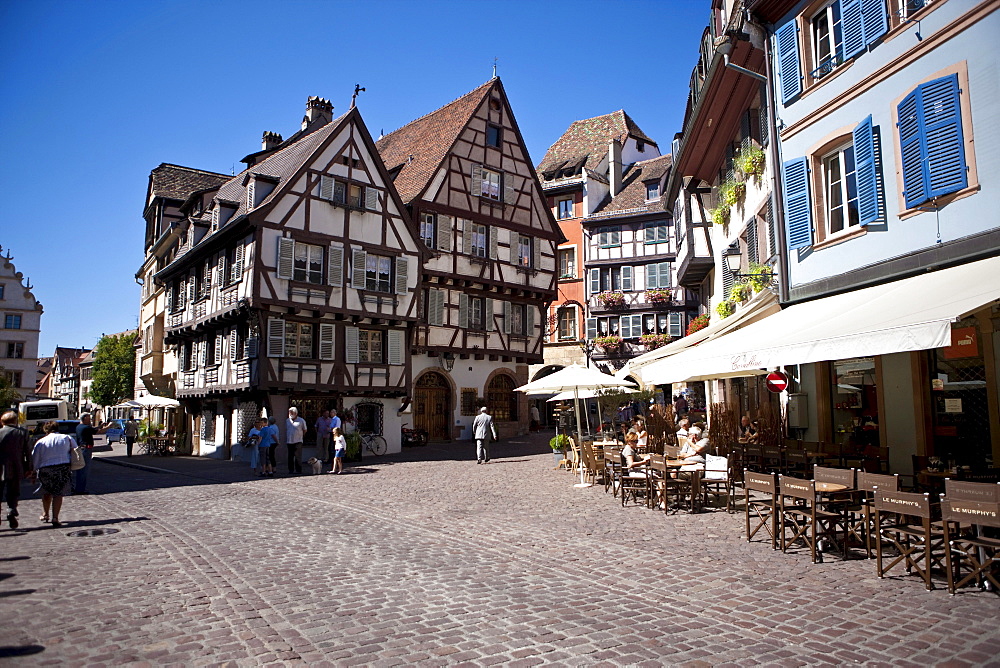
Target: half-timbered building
{"x":467,"y":178}
{"x":294,"y":283}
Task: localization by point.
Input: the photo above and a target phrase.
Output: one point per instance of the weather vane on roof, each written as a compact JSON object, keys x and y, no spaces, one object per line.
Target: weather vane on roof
{"x":495,"y":67}
{"x":357,"y":89}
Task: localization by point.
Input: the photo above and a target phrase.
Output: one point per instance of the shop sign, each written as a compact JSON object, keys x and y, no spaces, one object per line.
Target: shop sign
{"x":776,"y":381}
{"x":953,"y":405}
{"x":964,"y":343}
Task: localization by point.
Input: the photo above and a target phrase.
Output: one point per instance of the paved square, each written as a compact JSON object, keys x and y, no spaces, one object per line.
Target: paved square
{"x":426,"y":558}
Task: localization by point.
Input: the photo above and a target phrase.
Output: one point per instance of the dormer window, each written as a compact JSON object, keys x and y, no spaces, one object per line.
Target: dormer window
{"x":652,"y":191}
{"x":258,"y":188}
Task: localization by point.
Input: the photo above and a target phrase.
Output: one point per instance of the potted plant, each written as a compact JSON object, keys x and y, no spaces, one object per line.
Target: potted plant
{"x":611,"y":299}
{"x":762,"y":276}
{"x":750,"y":160}
{"x":731,"y":192}
{"x":725,"y":308}
{"x":658,"y":296}
{"x":608,"y":343}
{"x":720,"y":215}
{"x":742,"y":291}
{"x":559,"y":444}
{"x":698,"y":323}
{"x":652,"y":341}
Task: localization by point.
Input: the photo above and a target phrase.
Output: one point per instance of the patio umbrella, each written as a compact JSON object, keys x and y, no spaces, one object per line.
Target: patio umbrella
{"x":573,"y":379}
{"x":153,"y":401}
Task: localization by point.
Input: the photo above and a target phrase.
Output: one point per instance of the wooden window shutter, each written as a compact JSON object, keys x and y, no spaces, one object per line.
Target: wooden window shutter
{"x":506,"y":317}
{"x":728,"y":281}
{"x":444,"y":232}
{"x":595,"y":281}
{"x":250,"y":348}
{"x":221,"y":269}
{"x":359,"y":260}
{"x":762,"y":116}
{"x":493,"y":242}
{"x":852,"y":28}
{"x":237,"y":268}
{"x":215,"y":217}
{"x":325,"y":187}
{"x":772,"y":237}
{"x":275,"y":337}
{"x":396,"y":340}
{"x":371,"y":198}
{"x":875,"y":19}
{"x":335,"y":266}
{"x":251,"y":193}
{"x":488,"y":315}
{"x":676,"y":324}
{"x":508,"y":188}
{"x":463,"y":311}
{"x":206,"y":278}
{"x":753,"y":255}
{"x":435,"y":307}
{"x":286,"y":257}
{"x":402,"y":275}
{"x":798,"y":207}
{"x":191,"y":289}
{"x":941,"y":140}
{"x":339,"y":192}
{"x":664,"y":271}
{"x":219,"y":338}
{"x":202,"y":353}
{"x":351,"y":348}
{"x":169,"y":293}
{"x":467,"y":237}
{"x":591,"y":328}
{"x":529,"y":320}
{"x":326,"y":341}
{"x":477,"y":180}
{"x":515,"y":241}
{"x":234,"y":352}
{"x":787,"y":41}
{"x":865,"y":160}
{"x":652,"y":276}
{"x":626,"y":278}
{"x":625,"y":327}
{"x":536,"y":253}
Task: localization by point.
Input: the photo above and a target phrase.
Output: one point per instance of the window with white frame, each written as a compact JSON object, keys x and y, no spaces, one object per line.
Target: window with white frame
{"x":652,"y":191}
{"x":567,"y":324}
{"x":567,"y":262}
{"x":608,"y":237}
{"x":565,"y":208}
{"x":840,"y":190}
{"x":518,"y":321}
{"x":656,"y":232}
{"x":490,"y":187}
{"x":479,"y":242}
{"x":477,"y":313}
{"x":378,"y":273}
{"x":298,"y":339}
{"x":427,"y":229}
{"x":658,"y":275}
{"x":523,"y":250}
{"x":308,"y":263}
{"x":603,"y":326}
{"x":370,"y":348}
{"x":605,"y":279}
{"x":824,"y":28}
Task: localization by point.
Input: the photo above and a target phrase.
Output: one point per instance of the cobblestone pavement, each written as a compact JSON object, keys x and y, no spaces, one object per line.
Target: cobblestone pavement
{"x":425,"y":558}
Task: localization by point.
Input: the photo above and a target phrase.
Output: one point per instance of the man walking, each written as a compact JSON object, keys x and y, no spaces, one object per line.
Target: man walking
{"x":85,"y":432}
{"x":295,"y":431}
{"x":323,"y":428}
{"x":131,"y":431}
{"x":15,"y":462}
{"x":482,"y":430}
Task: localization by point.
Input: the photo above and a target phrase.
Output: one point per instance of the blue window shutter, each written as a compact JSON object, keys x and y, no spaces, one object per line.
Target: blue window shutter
{"x":626,"y":279}
{"x":651,"y":277}
{"x":664,"y":275}
{"x":911,"y":150}
{"x":798,"y":206}
{"x":595,"y":281}
{"x":945,"y":145}
{"x":787,"y":40}
{"x":866,"y":163}
{"x":591,"y":328}
{"x":852,"y":27}
{"x":875,"y":19}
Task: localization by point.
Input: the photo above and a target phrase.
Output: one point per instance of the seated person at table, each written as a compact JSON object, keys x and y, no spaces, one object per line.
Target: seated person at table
{"x":640,"y":431}
{"x":748,"y":432}
{"x":693,"y":452}
{"x":683,"y":426}
{"x":632,"y":458}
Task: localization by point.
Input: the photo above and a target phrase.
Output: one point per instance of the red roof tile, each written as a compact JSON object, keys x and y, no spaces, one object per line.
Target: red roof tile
{"x":585,"y":143}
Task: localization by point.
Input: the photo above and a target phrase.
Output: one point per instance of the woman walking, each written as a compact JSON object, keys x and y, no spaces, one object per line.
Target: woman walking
{"x":51,"y":457}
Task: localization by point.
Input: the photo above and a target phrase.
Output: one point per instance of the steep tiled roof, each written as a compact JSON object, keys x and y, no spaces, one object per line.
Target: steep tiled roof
{"x":631,"y":201}
{"x":418,"y":147}
{"x":585,"y":143}
{"x":176,"y":182}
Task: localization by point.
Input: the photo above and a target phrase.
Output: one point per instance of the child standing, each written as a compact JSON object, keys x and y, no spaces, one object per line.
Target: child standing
{"x":339,"y":450}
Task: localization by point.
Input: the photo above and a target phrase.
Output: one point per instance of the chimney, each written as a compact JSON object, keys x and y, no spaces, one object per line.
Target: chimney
{"x":270,"y":141}
{"x":319,"y":111}
{"x":615,"y":166}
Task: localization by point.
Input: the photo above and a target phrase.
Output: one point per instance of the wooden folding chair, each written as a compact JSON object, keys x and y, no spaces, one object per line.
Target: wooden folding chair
{"x":762,"y":506}
{"x":802,"y":515}
{"x":911,"y":531}
{"x":717,"y":481}
{"x":972,"y":552}
{"x":864,"y":528}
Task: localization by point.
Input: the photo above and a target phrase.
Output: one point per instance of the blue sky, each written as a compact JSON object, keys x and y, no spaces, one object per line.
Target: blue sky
{"x":93,"y":95}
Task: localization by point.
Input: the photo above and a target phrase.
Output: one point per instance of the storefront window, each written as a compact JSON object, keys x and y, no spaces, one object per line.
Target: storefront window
{"x":855,"y":402}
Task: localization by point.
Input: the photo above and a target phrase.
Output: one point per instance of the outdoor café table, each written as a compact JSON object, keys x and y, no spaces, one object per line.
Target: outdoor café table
{"x":695,"y":480}
{"x":830,"y":487}
{"x":159,"y":445}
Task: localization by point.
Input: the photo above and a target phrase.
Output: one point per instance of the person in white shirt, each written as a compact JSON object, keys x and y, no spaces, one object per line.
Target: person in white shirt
{"x":295,"y":431}
{"x":339,"y":450}
{"x":50,"y":458}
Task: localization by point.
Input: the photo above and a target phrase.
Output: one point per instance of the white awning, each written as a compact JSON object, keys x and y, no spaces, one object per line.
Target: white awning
{"x":910,"y":314}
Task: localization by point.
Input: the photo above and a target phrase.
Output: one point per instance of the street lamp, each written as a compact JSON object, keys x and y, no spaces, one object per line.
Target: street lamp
{"x":587,"y":346}
{"x":731,"y":260}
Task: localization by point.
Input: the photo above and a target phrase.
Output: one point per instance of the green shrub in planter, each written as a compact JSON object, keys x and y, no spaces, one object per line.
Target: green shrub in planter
{"x":762,"y":276}
{"x":725,"y":308}
{"x":720,"y":216}
{"x":560,"y":442}
{"x":741,"y":292}
{"x":353,"y":452}
{"x":750,"y":160}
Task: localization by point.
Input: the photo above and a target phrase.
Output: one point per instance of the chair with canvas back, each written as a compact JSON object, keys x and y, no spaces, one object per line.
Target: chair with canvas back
{"x":772,"y":459}
{"x":843,"y":503}
{"x":863,"y":528}
{"x":717,"y":482}
{"x":797,"y":463}
{"x":612,"y":470}
{"x":666,"y":491}
{"x":634,"y":484}
{"x":910,"y":529}
{"x":761,"y":491}
{"x":973,"y":553}
{"x":802,"y":516}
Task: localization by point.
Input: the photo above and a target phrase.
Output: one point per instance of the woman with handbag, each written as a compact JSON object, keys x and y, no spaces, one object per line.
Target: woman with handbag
{"x":51,"y":457}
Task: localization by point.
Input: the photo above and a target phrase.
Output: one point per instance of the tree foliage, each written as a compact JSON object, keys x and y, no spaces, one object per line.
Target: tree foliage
{"x":114,"y":369}
{"x":9,"y":396}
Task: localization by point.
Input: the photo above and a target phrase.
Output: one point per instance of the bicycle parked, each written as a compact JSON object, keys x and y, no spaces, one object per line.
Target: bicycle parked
{"x":374,"y":443}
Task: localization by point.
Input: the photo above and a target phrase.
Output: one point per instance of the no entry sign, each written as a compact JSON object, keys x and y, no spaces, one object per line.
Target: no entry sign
{"x":776,"y":381}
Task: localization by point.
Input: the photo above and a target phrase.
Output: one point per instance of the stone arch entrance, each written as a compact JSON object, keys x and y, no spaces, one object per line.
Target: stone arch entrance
{"x":432,"y":405}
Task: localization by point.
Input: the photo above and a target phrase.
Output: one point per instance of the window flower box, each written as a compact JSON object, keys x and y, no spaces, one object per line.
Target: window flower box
{"x":698,"y":323}
{"x":653,"y":341}
{"x":608,"y":343}
{"x":611,"y":299}
{"x":658,"y":296}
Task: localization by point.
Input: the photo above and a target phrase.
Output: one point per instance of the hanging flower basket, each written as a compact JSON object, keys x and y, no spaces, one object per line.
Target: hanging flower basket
{"x":611,"y":299}
{"x":725,"y":308}
{"x":741,"y":291}
{"x":658,"y":296}
{"x":652,"y":341}
{"x":762,"y":276}
{"x":608,"y":343}
{"x":720,"y":215}
{"x":698,"y":323}
{"x":750,"y":160}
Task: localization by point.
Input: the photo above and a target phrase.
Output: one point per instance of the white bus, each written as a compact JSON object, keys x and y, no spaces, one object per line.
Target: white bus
{"x":33,"y":413}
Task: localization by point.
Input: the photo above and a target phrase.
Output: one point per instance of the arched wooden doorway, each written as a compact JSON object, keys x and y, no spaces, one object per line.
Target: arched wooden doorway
{"x":432,"y":405}
{"x":502,"y":399}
